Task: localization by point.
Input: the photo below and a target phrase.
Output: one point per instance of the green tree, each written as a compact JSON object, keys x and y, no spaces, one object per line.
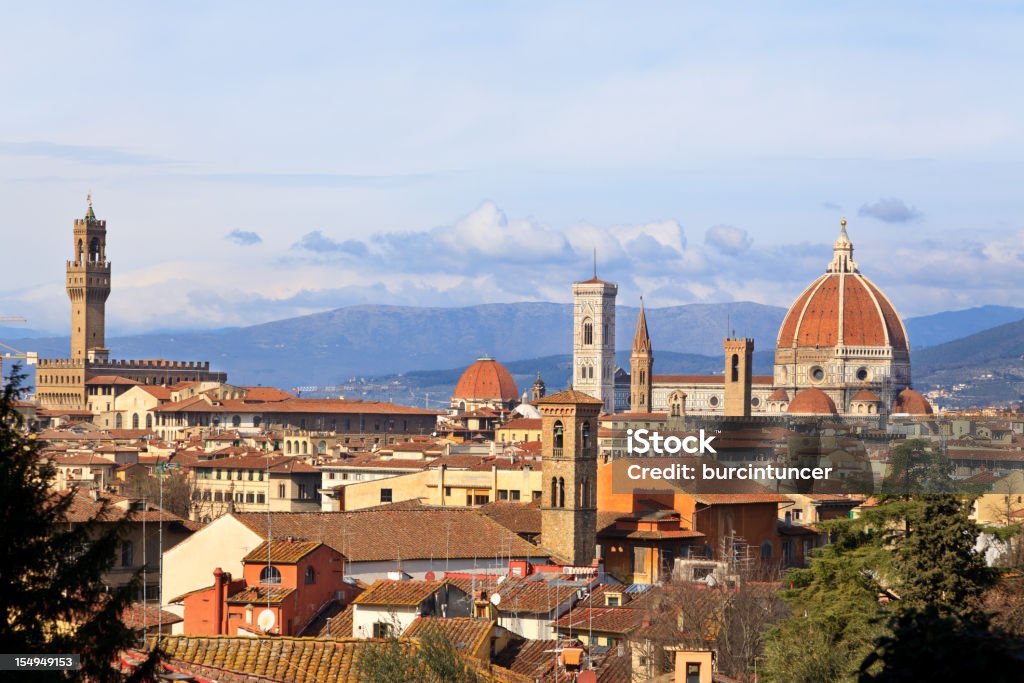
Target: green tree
{"x":916,"y":466}
{"x":432,"y":659}
{"x":52,"y":596}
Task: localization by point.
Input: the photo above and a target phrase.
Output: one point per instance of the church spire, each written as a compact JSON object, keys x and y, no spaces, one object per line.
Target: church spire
{"x":641,"y":340}
{"x":842,"y":253}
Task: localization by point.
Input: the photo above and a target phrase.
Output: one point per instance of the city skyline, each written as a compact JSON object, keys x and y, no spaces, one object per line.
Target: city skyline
{"x":263,"y":166}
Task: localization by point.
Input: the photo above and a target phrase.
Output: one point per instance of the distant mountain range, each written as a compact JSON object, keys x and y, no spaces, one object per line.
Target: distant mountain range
{"x":431,"y":344}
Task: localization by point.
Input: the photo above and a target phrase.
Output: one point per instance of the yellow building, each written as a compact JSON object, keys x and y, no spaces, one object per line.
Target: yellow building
{"x":518,"y":430}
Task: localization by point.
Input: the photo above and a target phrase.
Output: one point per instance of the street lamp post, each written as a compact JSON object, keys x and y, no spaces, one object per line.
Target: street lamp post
{"x":160,"y":469}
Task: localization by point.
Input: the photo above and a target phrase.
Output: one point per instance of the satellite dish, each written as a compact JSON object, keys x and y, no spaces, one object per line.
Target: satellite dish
{"x":266,"y":620}
{"x":495,"y":599}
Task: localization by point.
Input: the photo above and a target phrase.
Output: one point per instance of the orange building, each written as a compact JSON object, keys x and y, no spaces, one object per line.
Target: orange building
{"x":281,"y":591}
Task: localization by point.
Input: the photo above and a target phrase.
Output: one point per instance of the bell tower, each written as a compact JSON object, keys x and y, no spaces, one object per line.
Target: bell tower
{"x":88,"y":286}
{"x":739,"y":364}
{"x":641,"y":365}
{"x":593,"y":348}
{"x":569,"y":421}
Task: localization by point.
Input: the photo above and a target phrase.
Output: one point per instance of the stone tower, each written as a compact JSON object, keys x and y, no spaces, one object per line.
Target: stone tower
{"x":88,"y":286}
{"x":539,"y":390}
{"x":641,"y":365}
{"x":569,"y":421}
{"x":593,"y":348}
{"x":738,"y":370}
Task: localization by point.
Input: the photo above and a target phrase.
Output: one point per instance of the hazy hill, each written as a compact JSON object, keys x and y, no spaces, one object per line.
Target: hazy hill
{"x":362,"y":341}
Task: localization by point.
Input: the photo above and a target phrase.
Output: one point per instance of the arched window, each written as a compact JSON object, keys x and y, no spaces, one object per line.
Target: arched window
{"x":554,"y":492}
{"x":288,"y":447}
{"x":81,"y":251}
{"x":305,"y":447}
{"x":643,"y":377}
{"x":149,"y":420}
{"x":585,"y":434}
{"x":558,"y":433}
{"x":256,"y":421}
{"x":310,"y":575}
{"x":583,"y":493}
{"x":604,"y":337}
{"x":270,"y":575}
{"x":236,"y":421}
{"x":561,"y":492}
{"x":127,"y":554}
{"x":94,"y":249}
{"x":735,"y":367}
{"x":588,"y":333}
{"x":321,"y":447}
{"x":118,"y":421}
{"x":135,"y":420}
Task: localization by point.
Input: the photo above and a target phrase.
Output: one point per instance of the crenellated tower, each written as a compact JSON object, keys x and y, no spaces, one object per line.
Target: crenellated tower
{"x":88,"y":286}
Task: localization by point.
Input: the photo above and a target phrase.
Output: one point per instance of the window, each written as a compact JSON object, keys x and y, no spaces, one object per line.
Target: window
{"x":218,"y":497}
{"x":260,"y":498}
{"x":536,"y":495}
{"x":862,"y":374}
{"x":238,"y":475}
{"x":127,"y":554}
{"x":239,"y":497}
{"x":559,"y":434}
{"x":260,"y":475}
{"x":561,"y":492}
{"x":270,"y":575}
{"x":588,"y":333}
{"x":447,"y":491}
{"x":280,"y":490}
{"x":502,"y":494}
{"x":310,"y":576}
{"x":218,"y":474}
{"x":693,"y":672}
{"x":236,"y":421}
{"x":554,"y":492}
{"x":514,"y":494}
{"x":149,"y":420}
{"x":612,"y":600}
{"x":135,"y":421}
{"x":302,"y":491}
{"x":735,"y":377}
{"x":385,"y":495}
{"x":250,"y":475}
{"x":256,"y":421}
{"x":481,"y":500}
{"x":250,"y":498}
{"x":817,"y":374}
{"x":381,"y":630}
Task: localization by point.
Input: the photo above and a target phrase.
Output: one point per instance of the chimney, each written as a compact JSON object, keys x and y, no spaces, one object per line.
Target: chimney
{"x":218,"y":591}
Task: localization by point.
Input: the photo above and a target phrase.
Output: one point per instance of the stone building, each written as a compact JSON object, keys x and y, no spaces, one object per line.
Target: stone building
{"x":61,"y":382}
{"x":593,"y":347}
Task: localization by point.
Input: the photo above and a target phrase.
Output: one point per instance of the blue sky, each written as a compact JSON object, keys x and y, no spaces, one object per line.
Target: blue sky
{"x":256,"y":161}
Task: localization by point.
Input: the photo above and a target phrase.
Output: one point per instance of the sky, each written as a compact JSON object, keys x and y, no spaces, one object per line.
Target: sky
{"x":257,"y":161}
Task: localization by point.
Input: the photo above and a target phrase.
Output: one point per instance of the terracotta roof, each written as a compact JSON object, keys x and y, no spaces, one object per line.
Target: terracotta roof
{"x":523,"y":423}
{"x":260,"y":594}
{"x":292,"y":405}
{"x":467,"y":634}
{"x":778,"y":395}
{"x":161,"y":393}
{"x":266,"y":394}
{"x":271,"y":659}
{"x":282,"y":551}
{"x":532,"y":596}
{"x":402,"y":593}
{"x":416,"y":532}
{"x":140,"y":616}
{"x":910,"y":401}
{"x":569,"y":396}
{"x":811,"y":401}
{"x":486,"y":379}
{"x":111,"y":379}
{"x":339,"y":624}
{"x":522,"y":518}
{"x":617,"y":620}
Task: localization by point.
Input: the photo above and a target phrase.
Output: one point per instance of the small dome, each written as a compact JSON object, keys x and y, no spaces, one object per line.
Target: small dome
{"x":912,"y":403}
{"x":865,"y":395}
{"x":486,"y":380}
{"x":811,"y":402}
{"x":779,"y":395}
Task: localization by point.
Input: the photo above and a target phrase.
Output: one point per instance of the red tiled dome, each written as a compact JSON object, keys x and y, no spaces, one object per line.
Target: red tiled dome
{"x":865,"y":395}
{"x":811,"y":402}
{"x":868,"y":318}
{"x":779,"y":395}
{"x":911,"y":402}
{"x":486,"y":379}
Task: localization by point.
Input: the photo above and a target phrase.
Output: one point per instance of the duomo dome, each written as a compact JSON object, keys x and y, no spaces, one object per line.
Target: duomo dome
{"x":842,"y":336}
